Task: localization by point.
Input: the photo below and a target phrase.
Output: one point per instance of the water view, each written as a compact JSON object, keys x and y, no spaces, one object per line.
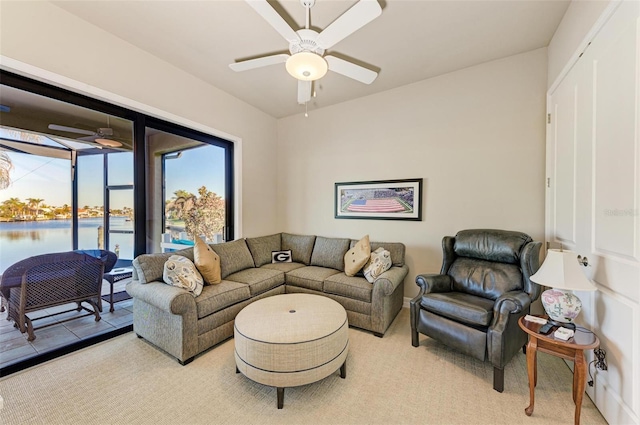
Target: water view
{"x":22,"y":239}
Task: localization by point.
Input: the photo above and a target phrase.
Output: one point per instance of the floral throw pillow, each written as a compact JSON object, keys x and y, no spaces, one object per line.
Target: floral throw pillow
{"x":379,"y":262}
{"x":181,"y":272}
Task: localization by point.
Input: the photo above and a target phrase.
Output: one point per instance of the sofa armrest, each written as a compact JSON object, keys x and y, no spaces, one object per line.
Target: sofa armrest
{"x":512,"y":302}
{"x":431,"y":283}
{"x":165,"y":297}
{"x":388,"y":281}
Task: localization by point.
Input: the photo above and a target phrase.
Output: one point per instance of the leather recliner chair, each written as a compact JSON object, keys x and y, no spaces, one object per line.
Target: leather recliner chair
{"x":483,"y":288}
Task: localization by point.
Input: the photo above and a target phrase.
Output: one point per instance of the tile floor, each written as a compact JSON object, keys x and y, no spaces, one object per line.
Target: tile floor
{"x":14,"y":346}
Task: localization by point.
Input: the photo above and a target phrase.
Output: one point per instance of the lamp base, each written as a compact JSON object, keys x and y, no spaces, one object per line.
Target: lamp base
{"x":561,"y":306}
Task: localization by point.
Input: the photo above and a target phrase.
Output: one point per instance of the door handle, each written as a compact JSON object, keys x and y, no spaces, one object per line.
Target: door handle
{"x":583,"y":260}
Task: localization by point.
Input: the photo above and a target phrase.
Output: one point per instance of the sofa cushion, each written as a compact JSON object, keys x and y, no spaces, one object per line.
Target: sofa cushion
{"x":234,"y":256}
{"x":262,"y":247}
{"x":353,"y":287}
{"x":485,"y":278}
{"x":149,"y":267}
{"x":310,"y":277}
{"x":217,"y":297}
{"x":329,"y":252}
{"x":357,"y":256}
{"x":179,"y":271}
{"x":301,"y":247}
{"x":207,"y":262}
{"x":259,"y":280}
{"x":283,"y":267}
{"x":460,"y":307}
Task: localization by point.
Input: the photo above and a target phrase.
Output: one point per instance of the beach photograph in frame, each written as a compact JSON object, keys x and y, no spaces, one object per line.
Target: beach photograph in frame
{"x":379,"y":200}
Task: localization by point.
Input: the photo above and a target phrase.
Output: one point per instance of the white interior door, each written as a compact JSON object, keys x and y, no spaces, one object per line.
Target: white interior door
{"x":593,"y":202}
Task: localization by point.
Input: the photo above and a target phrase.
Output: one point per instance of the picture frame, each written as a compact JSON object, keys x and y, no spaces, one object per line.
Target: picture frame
{"x":379,"y":200}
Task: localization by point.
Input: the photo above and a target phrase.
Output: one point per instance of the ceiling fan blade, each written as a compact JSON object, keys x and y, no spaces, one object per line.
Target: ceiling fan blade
{"x":351,"y":70}
{"x":105,"y":131}
{"x":71,"y":129}
{"x":269,"y":14}
{"x":259,"y":62}
{"x":304,"y":91}
{"x":349,"y":22}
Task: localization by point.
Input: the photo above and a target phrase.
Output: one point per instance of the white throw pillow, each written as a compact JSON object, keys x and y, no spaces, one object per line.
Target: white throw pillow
{"x":181,"y":272}
{"x":379,"y":262}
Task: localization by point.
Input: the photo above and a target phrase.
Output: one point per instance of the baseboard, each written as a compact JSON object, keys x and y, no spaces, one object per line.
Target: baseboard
{"x":405,"y":304}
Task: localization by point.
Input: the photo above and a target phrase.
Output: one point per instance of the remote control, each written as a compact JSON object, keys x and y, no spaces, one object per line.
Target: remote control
{"x":546,"y":329}
{"x":535,"y":319}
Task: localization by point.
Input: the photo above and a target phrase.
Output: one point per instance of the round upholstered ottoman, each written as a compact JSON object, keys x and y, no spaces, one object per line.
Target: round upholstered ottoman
{"x":290,"y":340}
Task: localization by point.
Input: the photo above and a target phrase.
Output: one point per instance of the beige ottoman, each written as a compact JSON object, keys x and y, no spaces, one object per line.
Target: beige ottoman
{"x":291,"y":340}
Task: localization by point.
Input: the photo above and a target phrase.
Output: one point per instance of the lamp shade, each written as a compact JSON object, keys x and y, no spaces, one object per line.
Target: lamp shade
{"x":561,"y":270}
{"x":306,"y":66}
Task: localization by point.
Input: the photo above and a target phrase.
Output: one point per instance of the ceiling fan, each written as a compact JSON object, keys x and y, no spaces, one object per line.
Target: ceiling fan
{"x":307,"y":61}
{"x":102,"y":136}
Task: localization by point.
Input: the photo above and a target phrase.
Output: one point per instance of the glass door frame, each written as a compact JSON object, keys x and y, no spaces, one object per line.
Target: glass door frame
{"x":140,"y":123}
{"x":228,"y":231}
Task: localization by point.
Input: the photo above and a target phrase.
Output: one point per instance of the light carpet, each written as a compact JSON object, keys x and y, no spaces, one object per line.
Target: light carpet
{"x":126,"y":380}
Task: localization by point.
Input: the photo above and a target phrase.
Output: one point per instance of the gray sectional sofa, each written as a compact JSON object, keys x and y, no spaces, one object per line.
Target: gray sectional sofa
{"x":183,"y":325}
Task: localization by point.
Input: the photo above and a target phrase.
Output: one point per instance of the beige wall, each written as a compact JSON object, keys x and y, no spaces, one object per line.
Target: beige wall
{"x":476,"y":136}
{"x":44,"y":36}
{"x":577,"y":21}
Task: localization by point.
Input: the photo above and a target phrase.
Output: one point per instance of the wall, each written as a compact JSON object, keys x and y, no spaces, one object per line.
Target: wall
{"x":476,"y":136}
{"x":577,"y":21}
{"x":42,"y":35}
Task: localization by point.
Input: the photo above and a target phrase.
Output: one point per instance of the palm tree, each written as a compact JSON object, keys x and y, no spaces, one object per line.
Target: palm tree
{"x":34,"y":205}
{"x":14,"y":205}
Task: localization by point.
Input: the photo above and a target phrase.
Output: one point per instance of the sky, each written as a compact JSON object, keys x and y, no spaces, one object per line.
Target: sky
{"x":50,"y":178}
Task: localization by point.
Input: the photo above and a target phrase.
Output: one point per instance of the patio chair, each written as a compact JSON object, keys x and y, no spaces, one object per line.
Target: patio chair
{"x":49,"y":280}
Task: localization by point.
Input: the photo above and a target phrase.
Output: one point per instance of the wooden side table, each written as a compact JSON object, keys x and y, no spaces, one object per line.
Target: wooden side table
{"x":572,"y":349}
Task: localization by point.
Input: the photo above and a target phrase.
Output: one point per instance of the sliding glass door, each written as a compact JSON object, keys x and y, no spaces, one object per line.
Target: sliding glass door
{"x":189,"y":190}
{"x":78,"y":173}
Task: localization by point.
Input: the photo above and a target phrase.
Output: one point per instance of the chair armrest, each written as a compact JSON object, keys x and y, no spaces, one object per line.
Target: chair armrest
{"x":165,"y":297}
{"x":390,"y":279}
{"x":512,"y":302}
{"x":430,"y":283}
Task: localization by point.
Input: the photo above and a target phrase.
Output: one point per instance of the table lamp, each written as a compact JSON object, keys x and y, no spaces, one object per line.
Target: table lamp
{"x":561,"y":272}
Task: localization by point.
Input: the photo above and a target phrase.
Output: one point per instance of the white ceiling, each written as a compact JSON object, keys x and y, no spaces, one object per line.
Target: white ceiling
{"x":412,"y":40}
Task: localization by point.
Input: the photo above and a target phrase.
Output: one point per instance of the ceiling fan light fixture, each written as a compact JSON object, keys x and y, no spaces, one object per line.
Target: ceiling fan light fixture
{"x":306,"y":66}
{"x":109,"y":143}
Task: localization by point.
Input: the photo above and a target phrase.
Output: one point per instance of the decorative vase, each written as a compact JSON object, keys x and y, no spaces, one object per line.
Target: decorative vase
{"x":561,"y":306}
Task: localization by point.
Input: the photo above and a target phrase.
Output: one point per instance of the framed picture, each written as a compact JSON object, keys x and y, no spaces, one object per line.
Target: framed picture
{"x":379,"y":200}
